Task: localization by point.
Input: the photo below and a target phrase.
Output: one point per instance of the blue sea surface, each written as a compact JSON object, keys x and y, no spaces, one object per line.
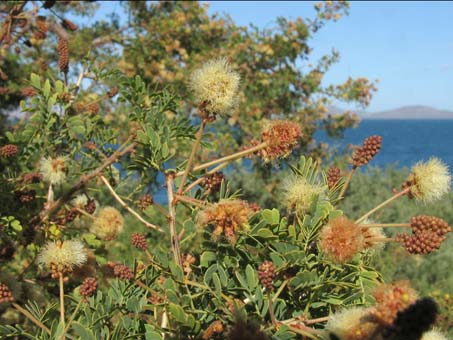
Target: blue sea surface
{"x":404,"y":142}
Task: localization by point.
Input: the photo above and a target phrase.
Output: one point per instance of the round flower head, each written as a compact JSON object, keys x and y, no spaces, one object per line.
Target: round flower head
{"x":281,"y":137}
{"x":80,"y":201}
{"x":53,"y":170}
{"x":429,"y":180}
{"x":433,"y":335}
{"x":63,"y":256}
{"x":216,"y":85}
{"x":298,"y":194}
{"x":372,"y":235}
{"x":351,"y":324}
{"x":227,"y":217}
{"x":341,"y":239}
{"x":107,"y":224}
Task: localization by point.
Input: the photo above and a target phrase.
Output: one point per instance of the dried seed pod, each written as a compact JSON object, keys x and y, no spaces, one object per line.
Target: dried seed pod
{"x":281,"y":136}
{"x":213,"y":181}
{"x":139,"y":241}
{"x":25,"y":196}
{"x":90,"y":207}
{"x":424,"y":242}
{"x":365,"y":153}
{"x":266,"y":274}
{"x":215,"y":327}
{"x":5,"y":294}
{"x":69,"y":25}
{"x":8,"y":151}
{"x":145,"y":201}
{"x":63,"y":53}
{"x":41,"y":28}
{"x":123,"y":272}
{"x":28,"y":91}
{"x":93,"y":108}
{"x":88,"y":287}
{"x":333,"y":176}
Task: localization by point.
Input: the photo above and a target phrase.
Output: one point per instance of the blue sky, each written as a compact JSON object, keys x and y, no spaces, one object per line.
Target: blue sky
{"x":407,"y":46}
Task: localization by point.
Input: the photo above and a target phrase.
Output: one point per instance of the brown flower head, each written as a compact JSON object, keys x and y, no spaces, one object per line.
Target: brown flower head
{"x":8,"y":151}
{"x":139,"y":241}
{"x":341,"y":239}
{"x":213,"y":181}
{"x":5,"y":294}
{"x":333,"y":176}
{"x":145,"y":201}
{"x":227,"y":217}
{"x":281,"y":137}
{"x":391,"y":299}
{"x":120,"y":271}
{"x":266,"y":274}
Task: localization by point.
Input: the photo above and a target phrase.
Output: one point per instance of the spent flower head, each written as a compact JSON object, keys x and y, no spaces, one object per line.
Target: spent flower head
{"x":216,"y":85}
{"x":63,"y":256}
{"x":281,"y":137}
{"x":53,"y":170}
{"x":430,"y":180}
{"x":341,"y":239}
{"x":108,"y":224}
{"x":227,"y":217}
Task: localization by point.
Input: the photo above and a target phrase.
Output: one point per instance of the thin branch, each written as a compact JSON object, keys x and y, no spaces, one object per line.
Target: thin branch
{"x":199,"y":180}
{"x":383,"y":204}
{"x":231,"y":157}
{"x":346,"y":183}
{"x":49,"y":211}
{"x":191,"y":159}
{"x":62,"y":311}
{"x":190,"y":200}
{"x":128,"y":208}
{"x":385,"y":225}
{"x":172,"y":219}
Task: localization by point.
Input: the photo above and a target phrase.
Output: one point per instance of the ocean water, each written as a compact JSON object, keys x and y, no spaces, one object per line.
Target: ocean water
{"x":404,"y":142}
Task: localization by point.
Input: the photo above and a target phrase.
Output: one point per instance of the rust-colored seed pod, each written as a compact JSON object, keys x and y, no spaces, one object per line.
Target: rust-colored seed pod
{"x":88,"y":287}
{"x":32,"y":177}
{"x":145,"y":201}
{"x":112,"y":92}
{"x":213,"y":181}
{"x":25,"y":196}
{"x":69,"y":25}
{"x":365,"y":153}
{"x":429,"y":223}
{"x":123,"y":272}
{"x":5,"y":294}
{"x":71,"y":215}
{"x":41,"y":28}
{"x":266,"y":274}
{"x":93,"y":108}
{"x":215,"y":327}
{"x":8,"y":151}
{"x":424,"y":242}
{"x":28,"y":91}
{"x":63,"y":53}
{"x":139,"y":241}
{"x":90,"y":207}
{"x":333,"y":176}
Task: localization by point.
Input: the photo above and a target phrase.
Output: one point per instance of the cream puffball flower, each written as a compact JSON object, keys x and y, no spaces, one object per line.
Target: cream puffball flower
{"x":216,"y":85}
{"x":108,"y":224}
{"x":63,"y":256}
{"x":433,"y":335}
{"x":429,"y":180}
{"x":350,"y":324}
{"x":80,"y":201}
{"x":298,"y":194}
{"x":53,"y":170}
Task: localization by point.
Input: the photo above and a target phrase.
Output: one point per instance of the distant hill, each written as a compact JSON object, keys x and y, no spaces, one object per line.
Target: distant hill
{"x":411,"y":112}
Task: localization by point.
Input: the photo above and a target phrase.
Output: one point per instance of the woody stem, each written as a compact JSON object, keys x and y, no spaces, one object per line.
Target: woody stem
{"x":383,"y":204}
{"x":385,"y":225}
{"x":61,"y":284}
{"x":346,"y":183}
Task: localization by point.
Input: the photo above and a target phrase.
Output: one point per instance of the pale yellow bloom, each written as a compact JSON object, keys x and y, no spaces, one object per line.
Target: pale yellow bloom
{"x":80,"y":201}
{"x":108,"y":223}
{"x":433,"y":335}
{"x":298,"y":193}
{"x":216,"y":85}
{"x":64,"y":255}
{"x":53,"y":170}
{"x":350,"y":324}
{"x":431,"y":180}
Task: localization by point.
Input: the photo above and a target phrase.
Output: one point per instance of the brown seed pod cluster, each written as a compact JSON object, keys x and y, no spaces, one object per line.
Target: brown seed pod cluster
{"x":5,"y":294}
{"x":28,"y":91}
{"x":139,"y":241}
{"x":213,"y":181}
{"x":25,"y":196}
{"x":8,"y":151}
{"x":112,"y":92}
{"x":428,"y":233}
{"x":93,"y":108}
{"x":69,"y":25}
{"x":365,"y":153}
{"x":121,"y":271}
{"x":145,"y":201}
{"x":63,"y":53}
{"x":266,"y":274}
{"x":41,"y":28}
{"x":214,"y":328}
{"x":90,"y":207}
{"x":88,"y":287}
{"x":333,"y":176}
{"x":32,"y":177}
